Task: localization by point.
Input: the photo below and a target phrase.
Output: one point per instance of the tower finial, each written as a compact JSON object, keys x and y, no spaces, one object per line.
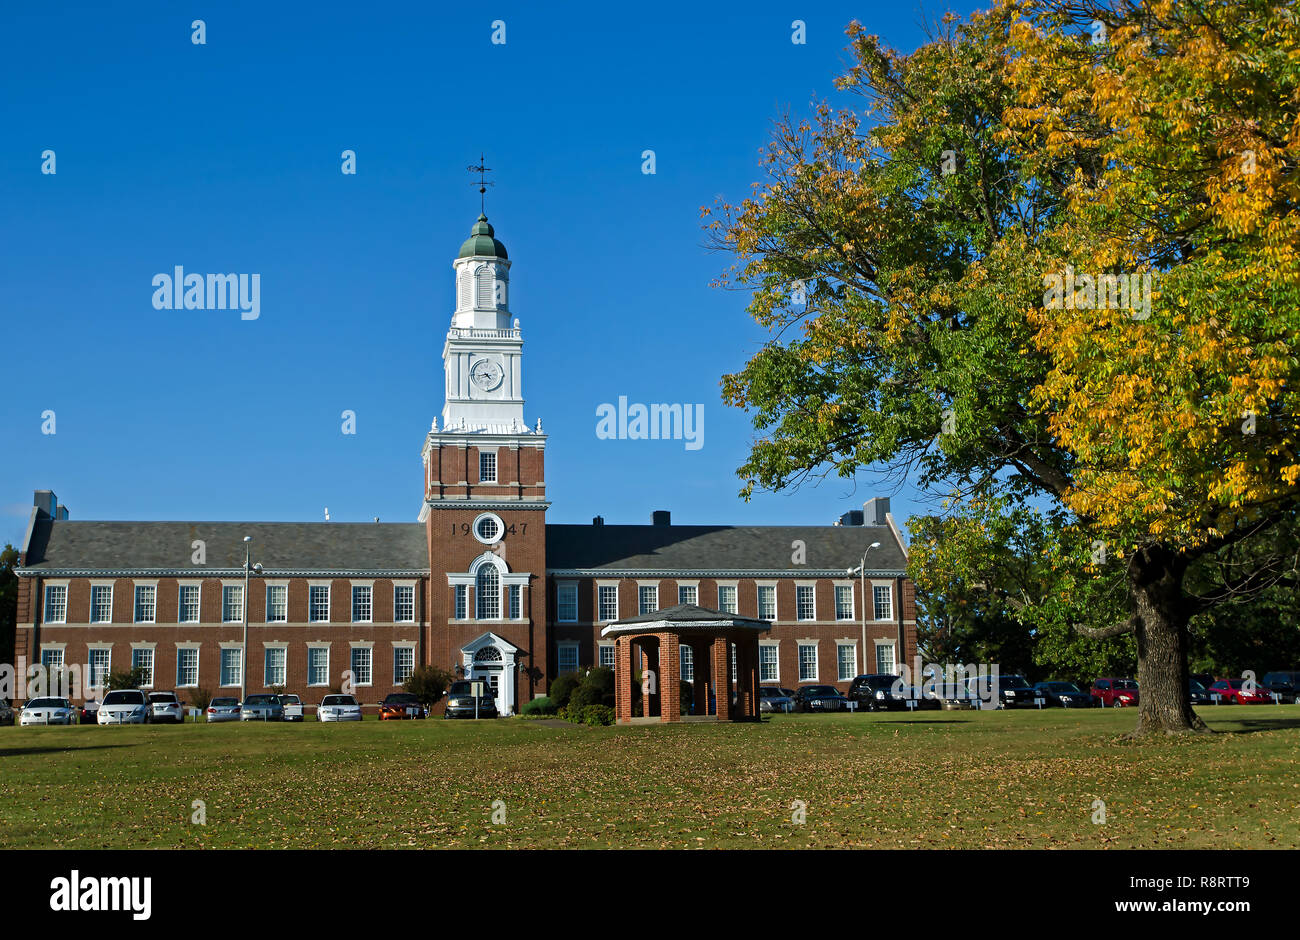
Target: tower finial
{"x":483,"y":182}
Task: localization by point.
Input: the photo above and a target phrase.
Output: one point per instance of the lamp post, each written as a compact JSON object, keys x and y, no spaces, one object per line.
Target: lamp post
{"x":249,"y":568}
{"x":861,"y":571}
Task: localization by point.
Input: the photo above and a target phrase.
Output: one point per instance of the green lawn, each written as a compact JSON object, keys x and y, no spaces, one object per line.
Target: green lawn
{"x":935,"y":779}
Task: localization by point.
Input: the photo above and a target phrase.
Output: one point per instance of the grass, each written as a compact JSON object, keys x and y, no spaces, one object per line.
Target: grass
{"x":934,"y":779}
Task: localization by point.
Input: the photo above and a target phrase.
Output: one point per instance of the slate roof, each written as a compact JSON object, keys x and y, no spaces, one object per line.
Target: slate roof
{"x":281,"y":547}
{"x":687,"y":614}
{"x":624,"y":549}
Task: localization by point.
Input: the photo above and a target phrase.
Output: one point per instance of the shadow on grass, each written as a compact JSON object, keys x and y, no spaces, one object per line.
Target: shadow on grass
{"x":20,"y":751}
{"x":1250,"y":725}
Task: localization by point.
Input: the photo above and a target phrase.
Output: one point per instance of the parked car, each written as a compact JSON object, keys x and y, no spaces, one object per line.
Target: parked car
{"x":400,"y":705}
{"x":460,"y":701}
{"x":1116,"y":693}
{"x":1286,"y":684}
{"x":48,"y":711}
{"x":7,"y":714}
{"x":1234,"y":691}
{"x":1204,"y":678}
{"x":261,"y":708}
{"x":89,"y":712}
{"x":877,"y":691}
{"x":819,"y":698}
{"x":1064,"y":694}
{"x":223,"y":709}
{"x":165,"y":706}
{"x":124,"y":707}
{"x":772,"y":699}
{"x":1198,"y":693}
{"x":338,"y":708}
{"x":292,"y":707}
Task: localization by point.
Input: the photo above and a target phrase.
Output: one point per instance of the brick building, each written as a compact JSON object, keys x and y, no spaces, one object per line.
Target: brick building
{"x":480,"y":583}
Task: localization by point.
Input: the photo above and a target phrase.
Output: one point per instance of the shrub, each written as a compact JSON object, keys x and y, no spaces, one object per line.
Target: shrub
{"x":687,"y":697}
{"x":126,"y":678}
{"x":596,"y":688}
{"x":200,"y":698}
{"x":595,"y":715}
{"x":428,"y":684}
{"x":563,"y":687}
{"x":542,"y":705}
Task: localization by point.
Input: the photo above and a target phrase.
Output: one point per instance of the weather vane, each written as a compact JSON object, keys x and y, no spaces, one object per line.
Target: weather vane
{"x":483,"y":182}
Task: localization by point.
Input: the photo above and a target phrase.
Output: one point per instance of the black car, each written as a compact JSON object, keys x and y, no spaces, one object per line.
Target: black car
{"x":878,"y":692}
{"x":819,"y":698}
{"x":1198,"y":693}
{"x":1285,"y":683}
{"x":1064,"y":694}
{"x":1013,"y":691}
{"x":460,"y":701}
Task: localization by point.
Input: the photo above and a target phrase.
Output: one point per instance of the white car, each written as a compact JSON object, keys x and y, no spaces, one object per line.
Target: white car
{"x":292,"y":707}
{"x":339,"y":708}
{"x":165,"y":706}
{"x":48,"y":711}
{"x":124,"y":707}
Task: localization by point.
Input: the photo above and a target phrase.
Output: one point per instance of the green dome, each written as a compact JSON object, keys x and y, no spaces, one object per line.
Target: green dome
{"x":480,"y":243}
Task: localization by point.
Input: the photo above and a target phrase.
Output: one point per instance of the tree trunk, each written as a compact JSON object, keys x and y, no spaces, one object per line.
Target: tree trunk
{"x":1156,"y":592}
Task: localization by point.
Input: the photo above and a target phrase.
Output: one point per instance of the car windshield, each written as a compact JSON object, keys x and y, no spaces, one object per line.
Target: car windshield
{"x":1195,"y":686}
{"x":1125,"y":684}
{"x":461,"y":688}
{"x":339,"y":700}
{"x":1014,"y":682}
{"x":122,"y":697}
{"x":260,"y":700}
{"x":400,"y":698}
{"x":291,"y":699}
{"x":163,"y":697}
{"x":771,"y":693}
{"x":225,"y":701}
{"x":819,"y":690}
{"x":1061,"y":687}
{"x":47,"y":703}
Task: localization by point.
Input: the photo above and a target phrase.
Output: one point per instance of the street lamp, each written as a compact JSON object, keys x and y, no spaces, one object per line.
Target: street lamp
{"x":861,"y":571}
{"x":249,"y":568}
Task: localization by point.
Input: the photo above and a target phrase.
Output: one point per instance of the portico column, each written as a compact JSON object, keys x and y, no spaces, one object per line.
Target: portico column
{"x":623,"y":678}
{"x":670,"y":678}
{"x":722,"y":676}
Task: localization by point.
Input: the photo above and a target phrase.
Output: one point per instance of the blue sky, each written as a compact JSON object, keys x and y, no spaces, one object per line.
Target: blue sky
{"x":225,"y":157}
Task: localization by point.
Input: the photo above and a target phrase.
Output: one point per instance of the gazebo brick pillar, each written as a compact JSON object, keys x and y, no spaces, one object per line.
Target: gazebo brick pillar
{"x":670,"y":678}
{"x":722,"y":676}
{"x":623,"y":678}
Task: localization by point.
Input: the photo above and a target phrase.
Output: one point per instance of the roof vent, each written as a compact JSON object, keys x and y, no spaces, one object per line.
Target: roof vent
{"x":852,"y":517}
{"x":875,"y":510}
{"x":598,"y":520}
{"x":661,"y":517}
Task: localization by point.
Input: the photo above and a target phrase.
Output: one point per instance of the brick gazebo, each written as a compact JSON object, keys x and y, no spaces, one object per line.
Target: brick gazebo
{"x":710,"y":635}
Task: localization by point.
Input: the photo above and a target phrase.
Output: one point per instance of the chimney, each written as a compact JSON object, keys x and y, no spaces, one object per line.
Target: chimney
{"x":62,"y":512}
{"x":661,"y":517}
{"x":852,"y":517}
{"x":598,"y":520}
{"x":875,"y":510}
{"x":46,"y":502}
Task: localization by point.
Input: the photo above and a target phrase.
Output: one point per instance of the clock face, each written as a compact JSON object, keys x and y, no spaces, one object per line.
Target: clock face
{"x":486,"y":374}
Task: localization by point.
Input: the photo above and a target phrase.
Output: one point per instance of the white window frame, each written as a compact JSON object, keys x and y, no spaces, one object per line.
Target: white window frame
{"x":893,"y":655}
{"x":840,"y":591}
{"x":50,"y":586}
{"x":314,"y":587}
{"x":563,"y":647}
{"x":840,"y":647}
{"x":601,"y":610}
{"x":563,"y":589}
{"x":774,"y":647}
{"x":799,"y":589}
{"x":460,"y":602}
{"x":267,"y":679}
{"x":640,"y":604}
{"x":182,"y":649}
{"x":603,"y":647}
{"x":277,"y":586}
{"x":94,"y":589}
{"x":816,"y":660}
{"x":238,"y":650}
{"x":369,"y":650}
{"x":230,"y":586}
{"x":153,"y":662}
{"x":403,"y":587}
{"x":487,"y":459}
{"x":687,"y":593}
{"x":735,"y":598}
{"x":406,"y":648}
{"x":318,"y":648}
{"x":888,"y":587}
{"x":686,"y":662}
{"x":758,"y":596}
{"x":181,"y":588}
{"x":150,"y":588}
{"x":366,"y":590}
{"x":91,"y":650}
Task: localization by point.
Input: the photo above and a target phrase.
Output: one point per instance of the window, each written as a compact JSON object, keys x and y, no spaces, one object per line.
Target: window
{"x":805,"y":602}
{"x":767,"y":602}
{"x":318,"y":603}
{"x":884,"y":601}
{"x":56,"y":603}
{"x":275,"y":663}
{"x":727,"y":599}
{"x":843,"y":602}
{"x":807,"y":662}
{"x":142,"y":659}
{"x":146,"y":596}
{"x":885,"y":658}
{"x":404,"y":603}
{"x":232,"y":666}
{"x":101,"y":604}
{"x":608,"y":594}
{"x":318,"y":665}
{"x":647,"y":598}
{"x":52,"y":660}
{"x":607,"y":656}
{"x":462,"y":602}
{"x":847,"y":661}
{"x":688,"y":662}
{"x":187,"y":667}
{"x":488,"y":528}
{"x":568,"y":658}
{"x":187,"y":607}
{"x":566,"y":603}
{"x":487,"y":468}
{"x":687,"y":594}
{"x":487,"y":593}
{"x":733,"y":662}
{"x":484,"y":296}
{"x":232,"y":603}
{"x":516,"y":593}
{"x":361,"y":665}
{"x":403,"y":663}
{"x":101,"y":661}
{"x":277,"y":603}
{"x":768,"y":669}
{"x":362,"y":606}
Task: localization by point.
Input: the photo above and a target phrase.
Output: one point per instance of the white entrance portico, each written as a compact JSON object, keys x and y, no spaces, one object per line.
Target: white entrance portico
{"x":493,"y":660}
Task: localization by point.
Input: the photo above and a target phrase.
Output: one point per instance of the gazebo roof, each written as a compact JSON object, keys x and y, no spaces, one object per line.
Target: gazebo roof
{"x":688,"y":617}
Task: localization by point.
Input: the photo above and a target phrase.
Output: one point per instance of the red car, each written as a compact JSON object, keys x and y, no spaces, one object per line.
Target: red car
{"x":1115,"y":693}
{"x":401,"y":705}
{"x":1235,"y":693}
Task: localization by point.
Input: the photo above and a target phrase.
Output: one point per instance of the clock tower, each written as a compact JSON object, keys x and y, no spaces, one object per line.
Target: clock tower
{"x":485,"y":492}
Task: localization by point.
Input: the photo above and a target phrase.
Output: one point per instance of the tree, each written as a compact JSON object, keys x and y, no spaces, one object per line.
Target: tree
{"x":8,"y":603}
{"x":901,"y":271}
{"x":132,"y":678}
{"x":428,"y":684}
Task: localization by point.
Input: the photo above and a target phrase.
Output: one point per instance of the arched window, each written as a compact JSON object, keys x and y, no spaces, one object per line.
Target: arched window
{"x":487,"y":593}
{"x":483,"y":298}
